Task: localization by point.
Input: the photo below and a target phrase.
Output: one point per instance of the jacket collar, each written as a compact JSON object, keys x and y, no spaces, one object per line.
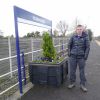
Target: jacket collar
{"x":84,"y":34}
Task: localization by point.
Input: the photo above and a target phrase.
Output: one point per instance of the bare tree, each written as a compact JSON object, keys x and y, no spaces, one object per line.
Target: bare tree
{"x":75,"y":23}
{"x":62,"y":27}
{"x":55,"y":33}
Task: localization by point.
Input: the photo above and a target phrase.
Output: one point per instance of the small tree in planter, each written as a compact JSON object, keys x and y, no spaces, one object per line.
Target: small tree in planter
{"x":49,"y":52}
{"x":51,"y":73}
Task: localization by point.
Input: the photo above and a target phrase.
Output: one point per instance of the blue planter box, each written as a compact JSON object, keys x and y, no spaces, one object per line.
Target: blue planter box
{"x":49,"y":74}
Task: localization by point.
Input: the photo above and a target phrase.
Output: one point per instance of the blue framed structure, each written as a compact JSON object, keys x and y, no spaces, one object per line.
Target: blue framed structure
{"x":23,"y":16}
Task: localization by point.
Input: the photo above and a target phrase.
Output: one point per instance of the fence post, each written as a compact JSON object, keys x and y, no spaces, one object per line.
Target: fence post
{"x":62,"y":43}
{"x":32,"y":47}
{"x":59,"y":44}
{"x":10,"y":59}
{"x":62,"y":46}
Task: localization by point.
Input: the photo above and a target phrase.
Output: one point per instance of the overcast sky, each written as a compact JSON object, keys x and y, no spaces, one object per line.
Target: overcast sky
{"x":87,"y":11}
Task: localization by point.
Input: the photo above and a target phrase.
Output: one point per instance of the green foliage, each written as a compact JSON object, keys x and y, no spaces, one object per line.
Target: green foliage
{"x":90,"y":33}
{"x":33,"y":34}
{"x":37,"y":34}
{"x":47,"y":46}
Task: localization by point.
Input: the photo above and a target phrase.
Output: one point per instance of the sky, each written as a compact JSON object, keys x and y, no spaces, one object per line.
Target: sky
{"x":86,"y":11}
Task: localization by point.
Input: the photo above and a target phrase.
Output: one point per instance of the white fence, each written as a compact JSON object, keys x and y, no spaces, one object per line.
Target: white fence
{"x":8,"y":62}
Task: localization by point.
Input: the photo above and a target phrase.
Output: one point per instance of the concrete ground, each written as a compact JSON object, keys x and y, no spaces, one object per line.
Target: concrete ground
{"x":41,"y":92}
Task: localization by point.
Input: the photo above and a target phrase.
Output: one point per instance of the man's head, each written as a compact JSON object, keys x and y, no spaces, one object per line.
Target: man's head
{"x":79,"y":29}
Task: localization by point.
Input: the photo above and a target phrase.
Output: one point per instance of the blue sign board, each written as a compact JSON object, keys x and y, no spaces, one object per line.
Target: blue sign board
{"x":23,"y":14}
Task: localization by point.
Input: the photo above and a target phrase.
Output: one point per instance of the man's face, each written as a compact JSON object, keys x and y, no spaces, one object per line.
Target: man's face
{"x":79,"y":30}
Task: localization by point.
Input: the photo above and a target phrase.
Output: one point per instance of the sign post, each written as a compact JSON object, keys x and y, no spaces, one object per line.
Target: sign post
{"x":25,"y":17}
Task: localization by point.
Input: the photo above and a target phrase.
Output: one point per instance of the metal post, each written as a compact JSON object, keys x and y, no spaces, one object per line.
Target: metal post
{"x":18,"y":51}
{"x":10,"y":59}
{"x":59,"y":44}
{"x":62,"y":44}
{"x":23,"y":65}
{"x":51,"y":30}
{"x":32,"y":47}
{"x":62,"y":47}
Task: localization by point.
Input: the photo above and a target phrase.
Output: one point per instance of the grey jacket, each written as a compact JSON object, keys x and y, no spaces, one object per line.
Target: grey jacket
{"x":79,"y":46}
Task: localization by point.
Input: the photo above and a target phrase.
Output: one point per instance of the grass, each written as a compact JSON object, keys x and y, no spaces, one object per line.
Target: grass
{"x":7,"y":82}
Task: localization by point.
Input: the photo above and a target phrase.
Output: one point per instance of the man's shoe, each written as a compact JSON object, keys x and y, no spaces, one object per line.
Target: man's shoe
{"x":84,"y":89}
{"x":70,"y":86}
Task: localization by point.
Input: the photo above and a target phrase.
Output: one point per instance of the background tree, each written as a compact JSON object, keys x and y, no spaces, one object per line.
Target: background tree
{"x":73,"y":25}
{"x":62,"y":27}
{"x":90,"y":33}
{"x":29,"y":35}
{"x":12,"y":36}
{"x":55,"y":33}
{"x":37,"y":34}
{"x":32,"y":34}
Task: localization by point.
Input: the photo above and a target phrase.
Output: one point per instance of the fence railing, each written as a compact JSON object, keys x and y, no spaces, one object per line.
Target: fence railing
{"x":8,"y":62}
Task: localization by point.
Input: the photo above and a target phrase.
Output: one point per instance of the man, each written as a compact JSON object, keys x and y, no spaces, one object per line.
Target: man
{"x":78,"y":50}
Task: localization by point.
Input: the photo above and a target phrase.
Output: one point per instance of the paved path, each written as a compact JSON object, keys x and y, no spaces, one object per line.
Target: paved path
{"x":62,"y":93}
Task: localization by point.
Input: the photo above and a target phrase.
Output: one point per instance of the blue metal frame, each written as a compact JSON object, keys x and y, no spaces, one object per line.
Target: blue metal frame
{"x":18,"y":52}
{"x":23,"y":65}
{"x":23,"y":14}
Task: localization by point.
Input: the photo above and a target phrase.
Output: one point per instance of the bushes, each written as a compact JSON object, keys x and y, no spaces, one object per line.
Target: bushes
{"x":49,"y":52}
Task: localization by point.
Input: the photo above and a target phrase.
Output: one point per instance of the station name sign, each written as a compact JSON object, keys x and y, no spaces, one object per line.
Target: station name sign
{"x":21,"y":13}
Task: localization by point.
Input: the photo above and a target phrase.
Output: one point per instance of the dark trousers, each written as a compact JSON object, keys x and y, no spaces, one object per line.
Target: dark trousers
{"x":74,"y":61}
